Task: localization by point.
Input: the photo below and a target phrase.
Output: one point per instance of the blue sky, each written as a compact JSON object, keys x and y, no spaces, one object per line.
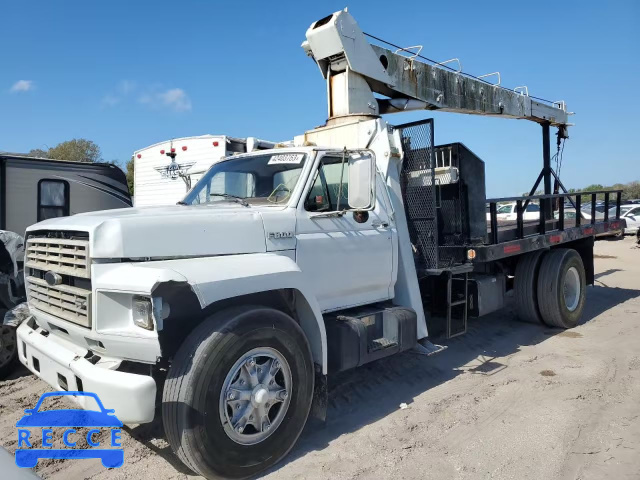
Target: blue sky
{"x":128,"y":74}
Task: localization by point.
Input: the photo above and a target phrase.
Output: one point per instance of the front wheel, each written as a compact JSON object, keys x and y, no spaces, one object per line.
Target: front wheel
{"x":238,"y":392}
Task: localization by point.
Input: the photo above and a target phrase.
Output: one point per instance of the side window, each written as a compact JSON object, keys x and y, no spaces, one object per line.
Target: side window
{"x":533,"y":207}
{"x":332,"y":181}
{"x":634,"y":212}
{"x":53,"y":199}
{"x":504,"y":209}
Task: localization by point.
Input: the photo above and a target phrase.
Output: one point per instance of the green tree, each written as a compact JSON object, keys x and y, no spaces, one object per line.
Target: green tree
{"x":631,"y":190}
{"x":38,"y":152}
{"x":76,"y":150}
{"x":130,"y":175}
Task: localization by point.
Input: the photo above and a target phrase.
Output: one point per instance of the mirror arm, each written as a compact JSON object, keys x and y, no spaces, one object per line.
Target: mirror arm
{"x":344,"y":155}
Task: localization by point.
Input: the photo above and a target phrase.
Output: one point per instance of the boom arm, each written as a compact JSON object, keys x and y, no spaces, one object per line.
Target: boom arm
{"x":355,"y":70}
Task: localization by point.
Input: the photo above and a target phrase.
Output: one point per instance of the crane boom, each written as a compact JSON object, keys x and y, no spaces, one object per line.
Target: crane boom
{"x":355,"y":70}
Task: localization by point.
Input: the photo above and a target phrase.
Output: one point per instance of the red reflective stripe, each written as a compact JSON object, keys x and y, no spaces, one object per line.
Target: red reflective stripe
{"x":512,"y":248}
{"x":555,"y":238}
{"x":588,"y":231}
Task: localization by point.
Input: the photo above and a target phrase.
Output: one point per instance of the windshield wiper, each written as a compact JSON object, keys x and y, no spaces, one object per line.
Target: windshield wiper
{"x":234,"y":198}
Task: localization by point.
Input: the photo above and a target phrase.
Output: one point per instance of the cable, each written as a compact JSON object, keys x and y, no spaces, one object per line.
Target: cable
{"x":448,"y":67}
{"x":561,"y":152}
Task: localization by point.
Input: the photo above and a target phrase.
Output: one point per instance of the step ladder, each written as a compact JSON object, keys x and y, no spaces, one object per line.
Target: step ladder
{"x":457,"y":308}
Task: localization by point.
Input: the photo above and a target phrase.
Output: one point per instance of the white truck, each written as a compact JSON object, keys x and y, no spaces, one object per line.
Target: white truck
{"x":283,"y":266}
{"x":165,"y":171}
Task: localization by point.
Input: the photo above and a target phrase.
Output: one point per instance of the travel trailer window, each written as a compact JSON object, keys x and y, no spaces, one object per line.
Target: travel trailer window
{"x":53,"y":199}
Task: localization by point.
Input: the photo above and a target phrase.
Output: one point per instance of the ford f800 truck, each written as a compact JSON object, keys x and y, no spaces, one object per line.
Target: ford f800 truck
{"x":281,"y":267}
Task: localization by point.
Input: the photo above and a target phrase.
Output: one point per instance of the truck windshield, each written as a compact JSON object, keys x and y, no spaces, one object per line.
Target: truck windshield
{"x":264,"y":179}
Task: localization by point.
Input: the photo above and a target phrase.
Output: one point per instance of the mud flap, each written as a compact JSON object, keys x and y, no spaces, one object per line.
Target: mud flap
{"x":320,"y":397}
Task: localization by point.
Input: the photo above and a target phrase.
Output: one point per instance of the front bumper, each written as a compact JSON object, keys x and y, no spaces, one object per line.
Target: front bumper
{"x":57,"y":361}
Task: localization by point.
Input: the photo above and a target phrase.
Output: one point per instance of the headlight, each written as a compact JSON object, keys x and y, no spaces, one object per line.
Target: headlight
{"x":142,"y":312}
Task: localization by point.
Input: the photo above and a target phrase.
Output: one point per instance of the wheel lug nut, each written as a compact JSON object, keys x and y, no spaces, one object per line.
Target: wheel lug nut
{"x":231,"y":396}
{"x":252,"y":362}
{"x":240,"y":429}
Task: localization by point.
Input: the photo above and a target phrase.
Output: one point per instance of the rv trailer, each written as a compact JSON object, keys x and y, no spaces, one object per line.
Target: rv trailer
{"x":36,"y":189}
{"x":165,"y":171}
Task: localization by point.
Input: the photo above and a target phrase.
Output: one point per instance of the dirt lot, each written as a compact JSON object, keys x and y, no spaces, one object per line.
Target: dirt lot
{"x":507,"y":400}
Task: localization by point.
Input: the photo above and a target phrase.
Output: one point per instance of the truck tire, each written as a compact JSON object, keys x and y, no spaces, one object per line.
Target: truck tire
{"x":561,"y":288}
{"x":525,"y":287}
{"x":238,"y":392}
{"x":8,"y":351}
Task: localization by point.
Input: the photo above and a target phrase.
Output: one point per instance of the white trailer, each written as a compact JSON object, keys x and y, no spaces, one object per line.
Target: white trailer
{"x":165,"y":171}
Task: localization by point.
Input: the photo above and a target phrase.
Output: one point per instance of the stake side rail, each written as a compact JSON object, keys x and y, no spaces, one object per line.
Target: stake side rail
{"x":548,"y":232}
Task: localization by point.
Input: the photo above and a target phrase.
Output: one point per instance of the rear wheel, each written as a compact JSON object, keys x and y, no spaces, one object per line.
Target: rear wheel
{"x":561,"y":288}
{"x":238,"y":392}
{"x":526,"y":287}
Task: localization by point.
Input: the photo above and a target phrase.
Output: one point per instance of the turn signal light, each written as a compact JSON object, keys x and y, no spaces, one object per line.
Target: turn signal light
{"x":184,"y":148}
{"x":471,"y":254}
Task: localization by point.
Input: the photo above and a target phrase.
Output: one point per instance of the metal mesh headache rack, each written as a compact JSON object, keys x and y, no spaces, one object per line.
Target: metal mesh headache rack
{"x":444,"y":194}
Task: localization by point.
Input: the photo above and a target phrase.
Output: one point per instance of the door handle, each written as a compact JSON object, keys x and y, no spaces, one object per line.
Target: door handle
{"x":379,"y":224}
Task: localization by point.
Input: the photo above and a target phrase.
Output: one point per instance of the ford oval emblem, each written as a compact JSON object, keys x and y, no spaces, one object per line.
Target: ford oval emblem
{"x":52,"y":278}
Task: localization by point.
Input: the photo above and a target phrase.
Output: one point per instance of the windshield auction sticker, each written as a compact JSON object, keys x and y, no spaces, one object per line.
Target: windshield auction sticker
{"x":63,"y":433}
{"x":294,"y":158}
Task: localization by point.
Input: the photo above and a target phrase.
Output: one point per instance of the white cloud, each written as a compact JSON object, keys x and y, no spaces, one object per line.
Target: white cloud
{"x":22,"y":86}
{"x":126,"y":86}
{"x":174,"y":98}
{"x":153,"y":95}
{"x":110,"y":100}
{"x":177,"y":99}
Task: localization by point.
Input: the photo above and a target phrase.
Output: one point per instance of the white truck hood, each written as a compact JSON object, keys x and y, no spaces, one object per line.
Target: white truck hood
{"x":168,"y":231}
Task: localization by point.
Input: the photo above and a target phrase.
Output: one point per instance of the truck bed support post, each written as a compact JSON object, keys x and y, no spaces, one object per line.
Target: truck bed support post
{"x":546,"y":169}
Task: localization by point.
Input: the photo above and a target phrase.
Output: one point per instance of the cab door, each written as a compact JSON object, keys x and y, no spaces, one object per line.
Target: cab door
{"x":346,"y":258}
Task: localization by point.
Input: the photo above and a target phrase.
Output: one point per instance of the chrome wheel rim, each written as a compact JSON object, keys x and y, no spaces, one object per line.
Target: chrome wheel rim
{"x":255,"y":396}
{"x":7,"y":344}
{"x":571,"y":289}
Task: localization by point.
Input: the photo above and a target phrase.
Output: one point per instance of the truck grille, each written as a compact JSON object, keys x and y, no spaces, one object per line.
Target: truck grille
{"x":70,"y":298}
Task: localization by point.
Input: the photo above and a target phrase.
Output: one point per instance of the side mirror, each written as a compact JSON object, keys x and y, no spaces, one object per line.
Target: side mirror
{"x":362,"y":181}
